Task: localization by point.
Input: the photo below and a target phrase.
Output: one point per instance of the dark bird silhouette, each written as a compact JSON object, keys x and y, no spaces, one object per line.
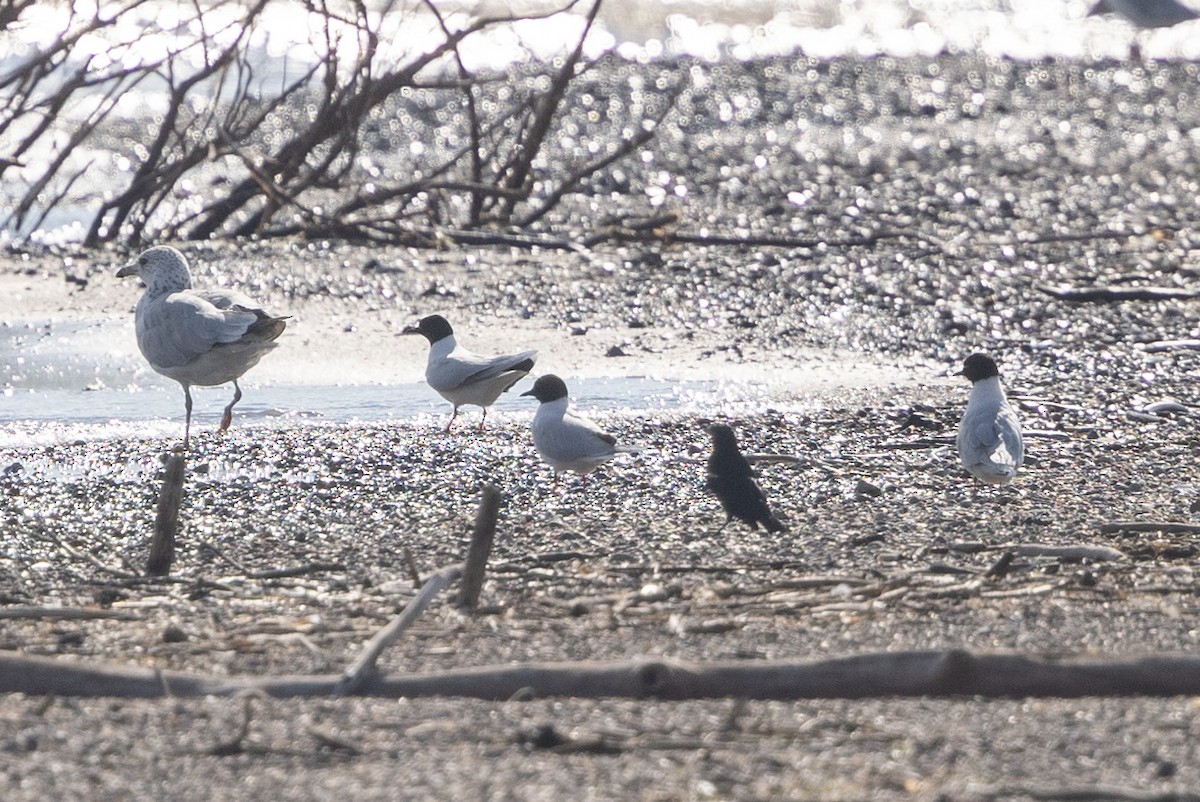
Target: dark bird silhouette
{"x":731,"y":480}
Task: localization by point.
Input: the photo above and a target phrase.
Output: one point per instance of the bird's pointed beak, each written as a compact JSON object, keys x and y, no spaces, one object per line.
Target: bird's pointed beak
{"x":527,"y":392}
{"x":406,"y":330}
{"x":130,"y":269}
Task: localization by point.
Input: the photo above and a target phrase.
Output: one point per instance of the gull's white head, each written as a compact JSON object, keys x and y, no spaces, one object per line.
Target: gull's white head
{"x":163,"y":269}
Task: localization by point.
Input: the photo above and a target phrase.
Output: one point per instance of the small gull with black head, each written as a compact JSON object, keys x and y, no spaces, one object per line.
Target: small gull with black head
{"x":566,"y":441}
{"x":989,"y":436}
{"x":462,"y":377}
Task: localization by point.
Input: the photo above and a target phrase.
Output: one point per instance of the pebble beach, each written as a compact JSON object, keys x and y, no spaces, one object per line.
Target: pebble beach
{"x":842,"y":233}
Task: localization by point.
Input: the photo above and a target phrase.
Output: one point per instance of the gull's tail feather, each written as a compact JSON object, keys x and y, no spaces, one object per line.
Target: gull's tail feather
{"x":265,"y":327}
{"x":994,"y":473}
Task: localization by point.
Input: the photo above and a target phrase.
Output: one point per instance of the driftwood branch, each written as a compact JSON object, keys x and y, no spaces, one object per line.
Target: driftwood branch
{"x":219,"y":114}
{"x":659,"y":235}
{"x":894,"y":674}
{"x":295,"y":570}
{"x":1085,"y":793}
{"x":1071,"y":554}
{"x":1168,"y":527}
{"x":481,"y":547}
{"x":1159,"y":346}
{"x":364,"y":665}
{"x":1085,"y":551}
{"x":1111,"y":294}
{"x":65,"y":613}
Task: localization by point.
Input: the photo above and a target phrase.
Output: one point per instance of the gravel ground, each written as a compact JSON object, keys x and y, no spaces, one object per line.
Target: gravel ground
{"x":984,"y":181}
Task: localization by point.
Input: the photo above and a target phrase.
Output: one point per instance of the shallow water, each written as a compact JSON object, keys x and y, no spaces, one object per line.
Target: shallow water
{"x":69,"y":380}
{"x":78,"y":380}
{"x":30,"y":417}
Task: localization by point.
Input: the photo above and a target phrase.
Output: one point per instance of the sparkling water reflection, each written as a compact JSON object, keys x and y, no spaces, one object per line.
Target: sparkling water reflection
{"x":54,"y":415}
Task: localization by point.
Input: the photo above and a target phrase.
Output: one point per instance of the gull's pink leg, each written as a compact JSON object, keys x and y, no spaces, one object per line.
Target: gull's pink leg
{"x":227,"y":418}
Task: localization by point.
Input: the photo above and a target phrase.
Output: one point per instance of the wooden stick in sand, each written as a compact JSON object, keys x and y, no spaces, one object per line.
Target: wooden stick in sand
{"x":166,"y":522}
{"x":481,"y":547}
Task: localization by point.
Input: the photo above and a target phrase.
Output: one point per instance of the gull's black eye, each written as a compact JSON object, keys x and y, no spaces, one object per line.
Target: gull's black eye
{"x":142,"y":261}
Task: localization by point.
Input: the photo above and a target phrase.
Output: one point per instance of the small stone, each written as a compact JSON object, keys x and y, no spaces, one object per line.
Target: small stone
{"x":174,"y":634}
{"x":652,"y":592}
{"x":865,"y":489}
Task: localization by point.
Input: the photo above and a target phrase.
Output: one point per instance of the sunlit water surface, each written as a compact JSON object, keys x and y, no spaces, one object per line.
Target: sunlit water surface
{"x":67,"y":381}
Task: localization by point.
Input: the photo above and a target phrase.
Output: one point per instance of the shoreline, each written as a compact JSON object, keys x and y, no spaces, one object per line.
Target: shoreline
{"x":330,"y":338}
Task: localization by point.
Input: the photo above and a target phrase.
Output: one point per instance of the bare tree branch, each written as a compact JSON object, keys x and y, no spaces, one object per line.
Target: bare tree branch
{"x":289,"y":158}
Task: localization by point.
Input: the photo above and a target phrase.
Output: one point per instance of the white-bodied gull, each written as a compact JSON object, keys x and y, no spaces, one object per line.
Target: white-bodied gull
{"x":197,"y":337}
{"x":566,"y":441}
{"x":989,"y":437}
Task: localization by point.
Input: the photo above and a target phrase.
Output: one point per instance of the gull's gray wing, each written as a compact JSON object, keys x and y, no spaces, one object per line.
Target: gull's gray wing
{"x":463,"y":367}
{"x":995,"y":439}
{"x":177,"y":329}
{"x":1008,"y":429}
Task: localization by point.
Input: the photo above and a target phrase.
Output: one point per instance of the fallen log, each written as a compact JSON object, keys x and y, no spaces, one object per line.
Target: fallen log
{"x":1101,"y":294}
{"x":897,"y":674}
{"x":1166,"y":527}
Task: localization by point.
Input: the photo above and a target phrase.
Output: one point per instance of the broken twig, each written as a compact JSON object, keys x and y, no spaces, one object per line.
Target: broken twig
{"x":1169,"y":527}
{"x":65,"y":613}
{"x":1072,"y":554}
{"x":364,"y":664}
{"x":1100,"y":294}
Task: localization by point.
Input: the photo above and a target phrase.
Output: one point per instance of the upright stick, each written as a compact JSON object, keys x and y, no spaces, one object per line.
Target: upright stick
{"x":481,"y":547}
{"x":166,"y":523}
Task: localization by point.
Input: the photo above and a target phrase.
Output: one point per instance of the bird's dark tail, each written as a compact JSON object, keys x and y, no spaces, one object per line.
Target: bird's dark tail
{"x":266,"y":327}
